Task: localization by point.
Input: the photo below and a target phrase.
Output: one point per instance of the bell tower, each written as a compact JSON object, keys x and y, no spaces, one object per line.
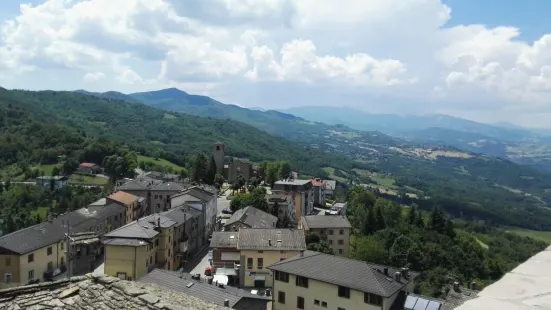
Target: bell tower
{"x":219,"y":152}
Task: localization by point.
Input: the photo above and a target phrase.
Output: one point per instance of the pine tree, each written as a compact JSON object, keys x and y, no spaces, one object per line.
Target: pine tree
{"x":211,"y":173}
{"x":370,"y":224}
{"x":412,"y":216}
{"x":199,"y":168}
{"x":437,"y":221}
{"x":379,"y":219}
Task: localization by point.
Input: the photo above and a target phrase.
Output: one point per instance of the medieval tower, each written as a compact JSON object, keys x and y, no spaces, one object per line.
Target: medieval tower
{"x":219,"y":152}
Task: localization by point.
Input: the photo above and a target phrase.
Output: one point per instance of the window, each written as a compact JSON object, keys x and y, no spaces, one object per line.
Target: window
{"x":7,"y":278}
{"x":30,"y":258}
{"x":250,"y":263}
{"x":260,"y":262}
{"x":316,"y":302}
{"x":341,"y":232}
{"x":300,"y":302}
{"x":168,"y":239}
{"x":373,"y":299}
{"x":281,"y":297}
{"x":341,"y":242}
{"x":62,"y":245}
{"x":324,"y":304}
{"x":341,"y":251}
{"x":156,"y":242}
{"x":151,"y":260}
{"x":50,"y":266}
{"x":49,"y":250}
{"x":344,"y":292}
{"x":146,"y":261}
{"x":260,"y":251}
{"x":330,"y":232}
{"x":156,"y":196}
{"x":330,"y":242}
{"x":282,"y":276}
{"x":339,"y":308}
{"x":31,"y":274}
{"x":8,"y":262}
{"x":302,"y":281}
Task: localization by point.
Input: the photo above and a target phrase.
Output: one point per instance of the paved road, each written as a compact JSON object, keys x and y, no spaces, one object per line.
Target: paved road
{"x":200,"y":267}
{"x":223,"y":202}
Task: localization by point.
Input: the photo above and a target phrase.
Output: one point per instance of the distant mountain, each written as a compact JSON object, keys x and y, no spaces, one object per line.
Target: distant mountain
{"x":462,"y":183}
{"x":397,"y":124}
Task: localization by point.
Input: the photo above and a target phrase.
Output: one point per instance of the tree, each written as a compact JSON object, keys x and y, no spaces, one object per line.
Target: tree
{"x":55,"y":171}
{"x":370,"y":222}
{"x":322,"y":247}
{"x":379,"y":219}
{"x":240,"y":181}
{"x":69,"y":166}
{"x":312,"y":237}
{"x":284,"y":170}
{"x":239,"y":201}
{"x":284,"y":222}
{"x":275,"y":209}
{"x":437,"y":221}
{"x":370,"y":249}
{"x":183,"y":174}
{"x":199,"y":168}
{"x":272,"y":173}
{"x":412,"y":216}
{"x":219,"y":181}
{"x":399,"y":251}
{"x":211,"y":172}
{"x":257,"y":199}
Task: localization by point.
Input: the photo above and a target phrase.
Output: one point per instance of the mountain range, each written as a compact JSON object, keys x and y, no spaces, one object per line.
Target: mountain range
{"x":465,"y":182}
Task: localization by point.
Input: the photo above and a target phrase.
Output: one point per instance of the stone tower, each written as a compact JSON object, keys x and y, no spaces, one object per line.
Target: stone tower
{"x":219,"y":151}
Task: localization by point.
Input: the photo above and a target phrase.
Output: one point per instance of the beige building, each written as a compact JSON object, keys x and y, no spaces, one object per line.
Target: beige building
{"x":138,"y":247}
{"x":260,"y":248}
{"x":312,"y":280}
{"x":333,"y":229}
{"x":156,"y":192}
{"x":134,"y":205}
{"x":301,"y":194}
{"x":38,"y":253}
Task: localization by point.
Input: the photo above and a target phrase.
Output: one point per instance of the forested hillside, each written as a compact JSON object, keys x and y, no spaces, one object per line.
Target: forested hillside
{"x":32,"y":115}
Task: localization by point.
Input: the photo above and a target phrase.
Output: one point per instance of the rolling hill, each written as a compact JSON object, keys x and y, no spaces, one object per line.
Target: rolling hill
{"x":464,"y":184}
{"x":151,"y":130}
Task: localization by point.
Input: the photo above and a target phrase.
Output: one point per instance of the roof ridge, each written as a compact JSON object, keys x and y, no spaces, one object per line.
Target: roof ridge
{"x":295,"y":259}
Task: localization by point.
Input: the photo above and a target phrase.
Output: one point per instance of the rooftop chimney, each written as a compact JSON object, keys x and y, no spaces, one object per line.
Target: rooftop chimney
{"x":226,"y":303}
{"x":405,"y":272}
{"x":456,"y":286}
{"x":398,"y":276}
{"x":159,"y":222}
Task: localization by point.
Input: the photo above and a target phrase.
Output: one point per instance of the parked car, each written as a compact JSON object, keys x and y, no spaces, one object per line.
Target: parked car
{"x":227,"y":211}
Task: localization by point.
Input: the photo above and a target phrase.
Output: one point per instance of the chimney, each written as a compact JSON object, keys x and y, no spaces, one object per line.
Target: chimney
{"x":386,"y":271}
{"x":473,"y":285}
{"x":456,"y":286}
{"x":301,"y":253}
{"x":226,"y":303}
{"x":270,"y":242}
{"x":405,"y":272}
{"x":398,"y":276}
{"x":159,"y":222}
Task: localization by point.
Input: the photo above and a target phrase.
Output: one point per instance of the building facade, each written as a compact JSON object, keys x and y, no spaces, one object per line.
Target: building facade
{"x":138,"y":247}
{"x":306,"y":282}
{"x":202,"y":200}
{"x":239,"y":167}
{"x":301,"y":193}
{"x":333,"y":229}
{"x":319,"y":191}
{"x":260,"y":248}
{"x":156,"y":192}
{"x":135,"y":206}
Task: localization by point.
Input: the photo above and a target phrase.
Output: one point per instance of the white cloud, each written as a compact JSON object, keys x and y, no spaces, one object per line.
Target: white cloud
{"x":91,"y":77}
{"x":396,"y":54}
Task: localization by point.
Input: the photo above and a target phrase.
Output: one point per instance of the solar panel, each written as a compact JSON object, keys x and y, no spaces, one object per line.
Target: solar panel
{"x":410,"y":302}
{"x":421,"y":304}
{"x":434,"y":305}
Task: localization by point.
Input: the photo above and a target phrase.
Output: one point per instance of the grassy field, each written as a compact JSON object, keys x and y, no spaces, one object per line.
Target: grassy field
{"x":331,"y":172}
{"x":159,"y":162}
{"x":47,"y":169}
{"x":87,"y":180}
{"x":536,"y":234}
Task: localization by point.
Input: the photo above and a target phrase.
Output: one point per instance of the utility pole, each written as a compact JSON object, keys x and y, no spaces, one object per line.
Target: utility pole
{"x":69,"y":251}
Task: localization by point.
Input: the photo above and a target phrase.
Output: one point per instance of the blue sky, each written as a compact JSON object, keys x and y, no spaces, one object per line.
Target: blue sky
{"x":532,"y":17}
{"x":485,"y":60}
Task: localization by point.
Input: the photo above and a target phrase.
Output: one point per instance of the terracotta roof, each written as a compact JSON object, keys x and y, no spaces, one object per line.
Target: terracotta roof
{"x":123,"y":197}
{"x":87,"y":165}
{"x":317,"y":182}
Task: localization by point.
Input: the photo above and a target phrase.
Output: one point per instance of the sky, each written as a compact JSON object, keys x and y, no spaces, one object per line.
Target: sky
{"x":488,"y":60}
